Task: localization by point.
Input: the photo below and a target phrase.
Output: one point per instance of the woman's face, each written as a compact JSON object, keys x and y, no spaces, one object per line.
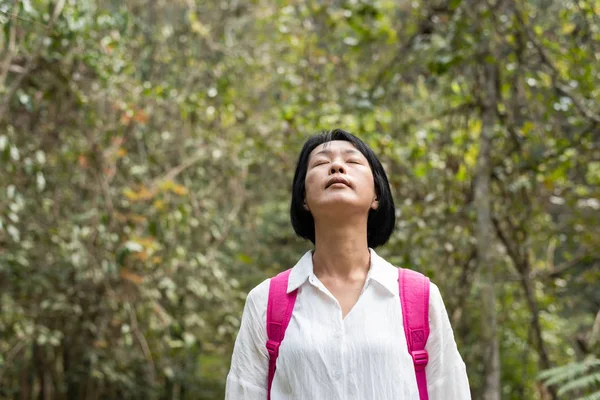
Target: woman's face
{"x":335,"y":161}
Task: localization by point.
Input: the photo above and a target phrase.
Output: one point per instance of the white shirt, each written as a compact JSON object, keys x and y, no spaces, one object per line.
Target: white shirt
{"x":363,"y":356}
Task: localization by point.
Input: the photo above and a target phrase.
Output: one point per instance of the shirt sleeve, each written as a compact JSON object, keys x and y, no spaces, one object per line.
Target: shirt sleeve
{"x":247,"y":378}
{"x":446,"y":372}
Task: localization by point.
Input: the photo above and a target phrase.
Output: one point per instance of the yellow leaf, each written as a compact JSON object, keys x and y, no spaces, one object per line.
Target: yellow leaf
{"x":568,"y":28}
{"x":141,"y":256}
{"x":130,"y":194}
{"x":474,"y":128}
{"x":136,"y":218}
{"x":120,"y":217}
{"x":142,"y":194}
{"x":461,"y":175}
{"x":130,"y":276}
{"x":146,"y":241}
{"x":159,"y":205}
{"x":145,"y":194}
{"x":198,"y":26}
{"x":100,"y":344}
{"x":179,"y":190}
{"x":166,"y":185}
{"x":471,"y":156}
{"x":527,"y":127}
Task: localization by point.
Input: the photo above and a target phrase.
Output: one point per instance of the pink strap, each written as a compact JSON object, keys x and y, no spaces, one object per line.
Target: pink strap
{"x":279,"y":313}
{"x":414,"y":299}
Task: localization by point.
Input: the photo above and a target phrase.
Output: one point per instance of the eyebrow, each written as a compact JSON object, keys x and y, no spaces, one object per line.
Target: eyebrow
{"x":347,"y":151}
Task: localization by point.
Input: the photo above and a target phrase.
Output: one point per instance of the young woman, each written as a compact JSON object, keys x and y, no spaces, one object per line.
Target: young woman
{"x":345,"y":338}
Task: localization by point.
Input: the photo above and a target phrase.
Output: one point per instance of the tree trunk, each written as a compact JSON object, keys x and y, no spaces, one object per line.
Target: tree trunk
{"x":544,"y":360}
{"x":517,"y":251}
{"x":485,"y":235}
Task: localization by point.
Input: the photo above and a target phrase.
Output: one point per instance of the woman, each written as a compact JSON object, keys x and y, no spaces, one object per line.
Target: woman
{"x":345,"y":339}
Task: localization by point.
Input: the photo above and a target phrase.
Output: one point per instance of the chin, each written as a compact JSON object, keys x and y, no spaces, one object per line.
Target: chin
{"x":341,"y":206}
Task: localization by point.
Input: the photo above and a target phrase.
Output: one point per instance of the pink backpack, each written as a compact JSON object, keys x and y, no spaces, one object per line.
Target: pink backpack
{"x":414,"y":300}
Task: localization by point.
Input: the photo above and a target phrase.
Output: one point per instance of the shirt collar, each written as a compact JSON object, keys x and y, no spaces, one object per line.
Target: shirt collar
{"x":383,"y":273}
{"x":380,"y":271}
{"x":301,"y":271}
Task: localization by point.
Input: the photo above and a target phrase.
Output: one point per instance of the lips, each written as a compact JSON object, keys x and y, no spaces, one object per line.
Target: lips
{"x":337,"y":179}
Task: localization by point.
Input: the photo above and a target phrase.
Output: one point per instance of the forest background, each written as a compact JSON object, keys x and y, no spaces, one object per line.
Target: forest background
{"x":147,"y":150}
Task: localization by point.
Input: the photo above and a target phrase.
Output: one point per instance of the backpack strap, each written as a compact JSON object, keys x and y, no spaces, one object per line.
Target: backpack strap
{"x":279,"y":313}
{"x":414,"y":299}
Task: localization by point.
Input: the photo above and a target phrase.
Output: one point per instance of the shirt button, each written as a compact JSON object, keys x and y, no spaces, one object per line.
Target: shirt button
{"x":337,"y":375}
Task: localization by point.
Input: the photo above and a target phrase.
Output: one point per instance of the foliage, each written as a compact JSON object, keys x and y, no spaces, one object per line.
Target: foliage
{"x":147,"y":151}
{"x":581,"y":377}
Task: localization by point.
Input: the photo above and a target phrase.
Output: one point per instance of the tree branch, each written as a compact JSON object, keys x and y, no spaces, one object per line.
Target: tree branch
{"x":424,"y":27}
{"x":560,"y":87}
{"x":11,"y":44}
{"x":31,"y":62}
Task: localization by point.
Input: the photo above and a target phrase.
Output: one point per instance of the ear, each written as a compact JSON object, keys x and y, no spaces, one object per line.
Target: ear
{"x":375,"y":204}
{"x":305,"y":205}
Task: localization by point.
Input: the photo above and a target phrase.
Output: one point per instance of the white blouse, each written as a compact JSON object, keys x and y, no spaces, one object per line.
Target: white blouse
{"x":363,"y":356}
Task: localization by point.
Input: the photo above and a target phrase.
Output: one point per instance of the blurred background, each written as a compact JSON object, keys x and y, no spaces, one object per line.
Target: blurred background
{"x":147,"y":150}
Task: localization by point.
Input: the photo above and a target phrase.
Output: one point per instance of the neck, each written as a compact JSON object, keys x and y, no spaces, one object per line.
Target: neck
{"x":341,"y":250}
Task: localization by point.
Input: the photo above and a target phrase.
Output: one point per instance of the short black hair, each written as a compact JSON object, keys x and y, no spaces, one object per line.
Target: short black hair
{"x":380,"y":223}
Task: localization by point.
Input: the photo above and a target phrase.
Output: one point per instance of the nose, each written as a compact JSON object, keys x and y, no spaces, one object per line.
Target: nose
{"x":337,"y":167}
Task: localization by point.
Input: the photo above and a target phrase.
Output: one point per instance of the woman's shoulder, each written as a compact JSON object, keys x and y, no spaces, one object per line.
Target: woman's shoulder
{"x":260,"y":292}
{"x":437,"y":308}
{"x":435,"y":296}
{"x":255,"y":308}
